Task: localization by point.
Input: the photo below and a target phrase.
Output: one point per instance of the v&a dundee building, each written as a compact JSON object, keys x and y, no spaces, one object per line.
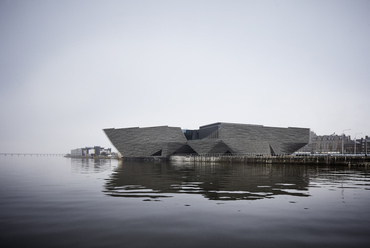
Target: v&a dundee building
{"x":213,"y":139}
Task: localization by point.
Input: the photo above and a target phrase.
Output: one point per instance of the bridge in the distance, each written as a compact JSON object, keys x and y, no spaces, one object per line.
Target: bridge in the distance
{"x":30,"y":154}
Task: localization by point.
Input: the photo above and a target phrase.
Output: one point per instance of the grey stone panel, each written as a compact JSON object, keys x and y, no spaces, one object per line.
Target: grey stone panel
{"x":144,"y":149}
{"x":289,"y":148}
{"x":171,"y":148}
{"x":221,"y":148}
{"x":203,"y":146}
{"x":240,"y":146}
{"x":262,"y":133}
{"x":276,"y":147}
{"x":205,"y":131}
{"x":141,"y":142}
{"x":185,"y":150}
{"x":257,"y":139}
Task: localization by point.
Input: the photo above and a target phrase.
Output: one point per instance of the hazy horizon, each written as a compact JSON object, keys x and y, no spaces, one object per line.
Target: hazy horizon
{"x":69,"y":69}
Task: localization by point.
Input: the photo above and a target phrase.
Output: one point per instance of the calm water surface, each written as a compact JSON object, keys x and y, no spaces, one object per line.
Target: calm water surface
{"x":64,"y":202}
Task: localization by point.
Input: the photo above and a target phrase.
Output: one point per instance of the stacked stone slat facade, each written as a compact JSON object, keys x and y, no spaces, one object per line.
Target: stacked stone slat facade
{"x":217,"y":138}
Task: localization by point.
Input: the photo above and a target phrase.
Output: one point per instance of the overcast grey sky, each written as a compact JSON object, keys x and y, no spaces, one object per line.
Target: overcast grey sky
{"x":68,"y":69}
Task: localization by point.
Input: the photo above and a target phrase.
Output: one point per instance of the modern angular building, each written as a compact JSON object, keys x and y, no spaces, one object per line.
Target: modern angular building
{"x":218,"y":138}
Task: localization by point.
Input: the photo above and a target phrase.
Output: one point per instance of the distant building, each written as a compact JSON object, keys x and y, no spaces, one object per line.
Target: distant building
{"x":329,"y":143}
{"x":91,"y":151}
{"x":323,"y":144}
{"x":217,"y":138}
{"x":362,"y":146}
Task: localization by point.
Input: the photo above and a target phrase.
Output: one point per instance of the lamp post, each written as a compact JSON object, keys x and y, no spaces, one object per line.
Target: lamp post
{"x":343,"y":139}
{"x":355,"y":143}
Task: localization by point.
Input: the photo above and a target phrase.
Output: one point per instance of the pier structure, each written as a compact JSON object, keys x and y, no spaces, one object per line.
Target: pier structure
{"x":358,"y":160}
{"x":31,"y":154}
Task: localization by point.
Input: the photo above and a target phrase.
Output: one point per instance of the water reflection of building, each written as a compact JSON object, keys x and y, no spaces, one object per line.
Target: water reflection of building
{"x":215,"y":182}
{"x":88,"y":165}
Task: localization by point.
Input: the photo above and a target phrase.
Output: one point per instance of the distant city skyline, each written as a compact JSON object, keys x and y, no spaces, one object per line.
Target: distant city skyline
{"x":70,"y":69}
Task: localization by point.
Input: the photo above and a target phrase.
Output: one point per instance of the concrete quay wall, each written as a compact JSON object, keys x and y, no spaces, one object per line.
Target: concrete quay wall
{"x":286,"y":159}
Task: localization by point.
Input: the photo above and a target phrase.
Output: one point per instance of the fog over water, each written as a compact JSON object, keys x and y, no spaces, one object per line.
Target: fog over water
{"x":68,"y":68}
{"x":65,"y":202}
